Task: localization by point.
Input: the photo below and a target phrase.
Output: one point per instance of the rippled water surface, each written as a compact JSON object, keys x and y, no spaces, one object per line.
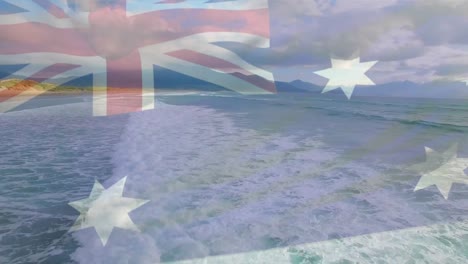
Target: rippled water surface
{"x":283,"y":179}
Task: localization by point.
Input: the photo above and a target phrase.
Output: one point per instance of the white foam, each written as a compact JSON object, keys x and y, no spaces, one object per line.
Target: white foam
{"x":218,"y":188}
{"x":202,"y":174}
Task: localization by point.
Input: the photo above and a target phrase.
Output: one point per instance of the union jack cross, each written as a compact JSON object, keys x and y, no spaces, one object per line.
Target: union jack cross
{"x":119,"y":43}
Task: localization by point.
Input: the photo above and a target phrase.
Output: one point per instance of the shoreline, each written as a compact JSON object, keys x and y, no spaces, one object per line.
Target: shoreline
{"x":13,"y":93}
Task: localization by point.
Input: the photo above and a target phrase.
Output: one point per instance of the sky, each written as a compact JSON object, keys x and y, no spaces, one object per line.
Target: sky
{"x":419,"y":41}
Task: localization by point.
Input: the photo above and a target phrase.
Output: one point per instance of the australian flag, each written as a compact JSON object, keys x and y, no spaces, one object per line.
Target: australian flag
{"x":233,"y":131}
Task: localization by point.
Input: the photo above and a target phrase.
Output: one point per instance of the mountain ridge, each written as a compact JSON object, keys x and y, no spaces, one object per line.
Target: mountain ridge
{"x":436,"y":89}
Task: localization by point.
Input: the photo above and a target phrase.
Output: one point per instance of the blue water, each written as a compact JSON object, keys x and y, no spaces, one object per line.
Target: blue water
{"x":229,"y":174}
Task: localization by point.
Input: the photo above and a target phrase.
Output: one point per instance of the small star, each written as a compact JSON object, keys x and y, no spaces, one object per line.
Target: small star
{"x":346,"y":74}
{"x":445,"y":169}
{"x":106,"y":209}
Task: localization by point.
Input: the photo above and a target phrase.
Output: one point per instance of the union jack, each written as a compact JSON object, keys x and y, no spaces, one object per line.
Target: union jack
{"x":119,"y":44}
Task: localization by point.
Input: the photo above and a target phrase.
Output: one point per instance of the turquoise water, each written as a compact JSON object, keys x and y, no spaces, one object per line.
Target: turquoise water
{"x":270,"y":179}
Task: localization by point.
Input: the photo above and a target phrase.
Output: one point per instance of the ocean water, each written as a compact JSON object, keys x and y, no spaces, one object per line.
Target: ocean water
{"x":286,"y":178}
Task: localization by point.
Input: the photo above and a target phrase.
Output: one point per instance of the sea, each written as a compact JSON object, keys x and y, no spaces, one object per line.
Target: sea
{"x":287,"y":178}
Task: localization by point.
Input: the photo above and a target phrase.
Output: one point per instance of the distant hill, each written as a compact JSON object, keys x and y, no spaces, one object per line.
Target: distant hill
{"x":297,"y":86}
{"x":285,"y":87}
{"x":169,"y":80}
{"x":22,"y":85}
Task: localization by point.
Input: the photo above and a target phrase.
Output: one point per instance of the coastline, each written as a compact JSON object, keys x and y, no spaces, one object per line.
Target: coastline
{"x":10,"y":88}
{"x":15,"y":93}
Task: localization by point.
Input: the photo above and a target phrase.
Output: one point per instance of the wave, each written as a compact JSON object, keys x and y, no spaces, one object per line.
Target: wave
{"x":339,"y":110}
{"x":445,"y":126}
{"x":218,"y":188}
{"x":201,"y":170}
{"x":400,"y":112}
{"x":419,"y":122}
{"x":419,"y":104}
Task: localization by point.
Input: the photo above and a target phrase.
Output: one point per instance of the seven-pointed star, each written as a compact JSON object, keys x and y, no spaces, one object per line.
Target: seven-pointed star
{"x":346,"y":74}
{"x":106,"y":209}
{"x":444,"y":170}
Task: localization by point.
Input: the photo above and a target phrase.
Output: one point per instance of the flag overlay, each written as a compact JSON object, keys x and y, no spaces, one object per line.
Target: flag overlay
{"x":233,"y":131}
{"x":119,"y":44}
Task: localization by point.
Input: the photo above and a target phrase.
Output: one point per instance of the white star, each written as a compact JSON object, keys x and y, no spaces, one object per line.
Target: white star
{"x":106,"y":209}
{"x":346,"y":74}
{"x":445,"y":169}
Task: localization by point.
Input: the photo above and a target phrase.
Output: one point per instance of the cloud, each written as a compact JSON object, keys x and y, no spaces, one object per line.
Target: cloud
{"x":397,"y":44}
{"x":410,"y":38}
